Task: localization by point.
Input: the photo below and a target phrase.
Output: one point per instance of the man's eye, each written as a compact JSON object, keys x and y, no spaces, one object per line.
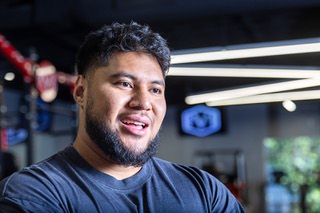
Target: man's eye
{"x":156,"y":90}
{"x":125,"y":84}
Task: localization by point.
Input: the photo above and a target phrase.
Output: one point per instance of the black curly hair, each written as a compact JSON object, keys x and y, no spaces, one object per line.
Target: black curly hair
{"x":100,"y":45}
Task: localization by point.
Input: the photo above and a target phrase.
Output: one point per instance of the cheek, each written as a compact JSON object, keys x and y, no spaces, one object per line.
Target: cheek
{"x":109,"y":106}
{"x":105,"y":99}
{"x":99,"y":103}
{"x":161,"y":112}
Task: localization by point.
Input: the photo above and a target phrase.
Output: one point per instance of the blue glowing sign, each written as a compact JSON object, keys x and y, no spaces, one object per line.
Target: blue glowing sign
{"x":201,"y":120}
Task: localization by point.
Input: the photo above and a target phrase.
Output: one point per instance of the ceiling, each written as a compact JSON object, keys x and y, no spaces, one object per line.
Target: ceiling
{"x":53,"y":30}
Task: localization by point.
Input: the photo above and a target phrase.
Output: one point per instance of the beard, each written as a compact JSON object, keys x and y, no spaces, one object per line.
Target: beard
{"x":111,"y":145}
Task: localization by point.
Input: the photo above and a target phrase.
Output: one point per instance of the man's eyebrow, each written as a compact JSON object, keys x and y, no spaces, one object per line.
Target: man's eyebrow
{"x":159,"y":82}
{"x":123,"y":74}
{"x":128,"y":75}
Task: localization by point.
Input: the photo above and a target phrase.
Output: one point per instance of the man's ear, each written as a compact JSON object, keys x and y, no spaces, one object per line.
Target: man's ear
{"x":78,"y":92}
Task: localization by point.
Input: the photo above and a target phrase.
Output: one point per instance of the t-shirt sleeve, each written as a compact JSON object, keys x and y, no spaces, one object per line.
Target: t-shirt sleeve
{"x":15,"y":205}
{"x":25,"y":193}
{"x":198,"y":190}
{"x":222,"y":200}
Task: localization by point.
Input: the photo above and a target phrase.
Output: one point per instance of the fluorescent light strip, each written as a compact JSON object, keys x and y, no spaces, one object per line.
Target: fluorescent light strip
{"x":252,"y":90}
{"x":268,"y":98}
{"x":242,"y":72}
{"x":247,"y":51}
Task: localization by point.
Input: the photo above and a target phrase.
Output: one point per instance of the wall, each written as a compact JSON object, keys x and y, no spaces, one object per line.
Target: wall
{"x":305,"y":121}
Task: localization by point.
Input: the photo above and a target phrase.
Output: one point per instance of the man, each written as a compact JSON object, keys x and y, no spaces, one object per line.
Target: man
{"x":110,"y":166}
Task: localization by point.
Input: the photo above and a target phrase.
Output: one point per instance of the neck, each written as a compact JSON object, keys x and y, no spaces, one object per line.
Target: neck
{"x":97,"y":159}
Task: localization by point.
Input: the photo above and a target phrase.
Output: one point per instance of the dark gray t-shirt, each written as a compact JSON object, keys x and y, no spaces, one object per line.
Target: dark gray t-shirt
{"x":66,"y":183}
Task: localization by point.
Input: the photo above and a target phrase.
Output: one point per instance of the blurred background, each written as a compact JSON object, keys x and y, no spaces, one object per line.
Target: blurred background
{"x":257,"y":127}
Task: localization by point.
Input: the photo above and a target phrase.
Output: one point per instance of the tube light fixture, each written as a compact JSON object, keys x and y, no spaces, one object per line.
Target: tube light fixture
{"x":245,"y":71}
{"x":247,"y":51}
{"x":269,"y":98}
{"x":252,"y":90}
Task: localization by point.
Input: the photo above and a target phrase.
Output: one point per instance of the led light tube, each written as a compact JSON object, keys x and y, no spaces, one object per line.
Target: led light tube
{"x":243,"y":72}
{"x":246,"y":51}
{"x":252,"y":90}
{"x":269,"y":98}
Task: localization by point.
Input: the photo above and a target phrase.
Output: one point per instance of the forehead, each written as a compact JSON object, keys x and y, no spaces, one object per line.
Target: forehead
{"x":136,"y":63}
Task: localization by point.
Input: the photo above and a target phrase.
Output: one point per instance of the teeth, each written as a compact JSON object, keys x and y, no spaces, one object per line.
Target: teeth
{"x":134,"y":123}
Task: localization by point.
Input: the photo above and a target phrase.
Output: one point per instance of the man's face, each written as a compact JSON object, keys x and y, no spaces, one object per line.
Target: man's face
{"x":125,"y":107}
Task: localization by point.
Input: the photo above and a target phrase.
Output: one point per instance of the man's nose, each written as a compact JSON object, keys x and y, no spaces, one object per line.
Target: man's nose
{"x":140,"y":100}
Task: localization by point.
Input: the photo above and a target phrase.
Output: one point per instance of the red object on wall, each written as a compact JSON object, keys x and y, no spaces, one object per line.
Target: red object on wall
{"x":23,"y":64}
{"x":27,"y":66}
{"x":46,"y":81}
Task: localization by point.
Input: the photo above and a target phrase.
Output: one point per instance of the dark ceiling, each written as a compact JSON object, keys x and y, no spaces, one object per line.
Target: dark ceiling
{"x":53,"y":30}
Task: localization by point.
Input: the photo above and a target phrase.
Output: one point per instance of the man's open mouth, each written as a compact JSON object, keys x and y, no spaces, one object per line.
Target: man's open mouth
{"x":135,"y":123}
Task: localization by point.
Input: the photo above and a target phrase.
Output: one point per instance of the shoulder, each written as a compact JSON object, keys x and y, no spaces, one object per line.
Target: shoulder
{"x":30,"y":179}
{"x":180,"y":169}
{"x":27,"y":189}
{"x":36,"y":185}
{"x":44,"y":173}
{"x":185,"y":174}
{"x":201,"y":184}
